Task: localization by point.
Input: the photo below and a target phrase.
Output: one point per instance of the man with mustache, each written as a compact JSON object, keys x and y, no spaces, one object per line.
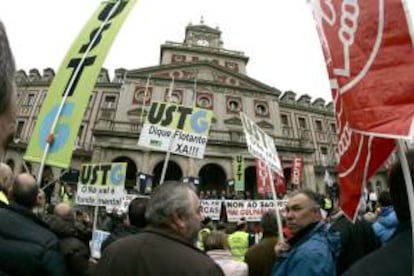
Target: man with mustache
{"x":312,"y":249}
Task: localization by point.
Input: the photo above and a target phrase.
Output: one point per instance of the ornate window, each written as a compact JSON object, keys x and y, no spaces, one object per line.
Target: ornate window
{"x":204,"y":100}
{"x":176,"y":96}
{"x":109,"y":102}
{"x":261,"y":109}
{"x":232,"y":65}
{"x":177,"y":58}
{"x":318,"y":125}
{"x":233,"y":104}
{"x":302,"y":122}
{"x":140,"y":97}
{"x":284,"y":119}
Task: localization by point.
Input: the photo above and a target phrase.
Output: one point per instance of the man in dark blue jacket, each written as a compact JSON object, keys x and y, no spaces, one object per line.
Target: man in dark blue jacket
{"x":313,"y":249}
{"x":27,"y":247}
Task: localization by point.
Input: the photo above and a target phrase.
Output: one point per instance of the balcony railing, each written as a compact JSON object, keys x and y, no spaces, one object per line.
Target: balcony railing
{"x":214,"y":135}
{"x":211,"y":49}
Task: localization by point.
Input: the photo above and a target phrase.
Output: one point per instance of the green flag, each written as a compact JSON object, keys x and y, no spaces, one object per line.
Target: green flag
{"x":76,"y":76}
{"x":238,"y":172}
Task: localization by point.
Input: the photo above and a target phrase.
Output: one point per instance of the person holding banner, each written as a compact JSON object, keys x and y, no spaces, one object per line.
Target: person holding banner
{"x":167,"y":245}
{"x":395,"y":257}
{"x":313,"y":249}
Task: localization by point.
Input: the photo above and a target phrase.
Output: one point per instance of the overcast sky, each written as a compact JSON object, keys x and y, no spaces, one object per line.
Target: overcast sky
{"x":278,"y":35}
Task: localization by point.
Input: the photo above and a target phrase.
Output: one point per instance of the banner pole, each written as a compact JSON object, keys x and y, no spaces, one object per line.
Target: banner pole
{"x":276,"y":202}
{"x":144,"y":100}
{"x":50,"y":137}
{"x":95,"y":218}
{"x":410,"y":190}
{"x":167,"y":155}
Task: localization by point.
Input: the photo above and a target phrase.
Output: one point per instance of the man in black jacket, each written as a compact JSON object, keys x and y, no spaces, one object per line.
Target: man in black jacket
{"x":357,"y":239}
{"x":167,"y":246}
{"x":27,"y":247}
{"x":394,"y":257}
{"x":74,"y":249}
{"x":136,"y":221}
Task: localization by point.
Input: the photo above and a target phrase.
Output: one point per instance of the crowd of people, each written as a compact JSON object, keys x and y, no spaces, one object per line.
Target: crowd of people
{"x":166,"y":234}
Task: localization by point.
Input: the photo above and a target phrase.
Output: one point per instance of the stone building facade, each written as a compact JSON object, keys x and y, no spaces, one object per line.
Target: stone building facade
{"x":205,"y":75}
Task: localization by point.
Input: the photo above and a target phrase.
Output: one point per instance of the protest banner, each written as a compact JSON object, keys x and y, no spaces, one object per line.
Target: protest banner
{"x":238,"y":172}
{"x":98,"y":237}
{"x":183,"y":129}
{"x":263,"y":147}
{"x":53,"y":138}
{"x":101,"y":184}
{"x":251,"y":210}
{"x":297,"y":171}
{"x":211,"y":208}
{"x":260,"y":144}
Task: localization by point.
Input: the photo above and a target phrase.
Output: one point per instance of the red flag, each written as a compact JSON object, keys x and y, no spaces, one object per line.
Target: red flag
{"x":370,"y":60}
{"x":280,"y":184}
{"x":297,"y":168}
{"x":263,"y":180}
{"x":262,"y":177}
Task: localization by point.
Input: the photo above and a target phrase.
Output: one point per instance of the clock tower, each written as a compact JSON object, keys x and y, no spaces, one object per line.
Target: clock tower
{"x":202,"y":43}
{"x":203,"y":35}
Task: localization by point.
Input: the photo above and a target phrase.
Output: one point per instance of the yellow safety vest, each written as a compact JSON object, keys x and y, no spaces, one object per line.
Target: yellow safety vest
{"x":202,"y":234}
{"x":328,"y":204}
{"x":64,"y":196}
{"x":239,"y":244}
{"x":3,"y":198}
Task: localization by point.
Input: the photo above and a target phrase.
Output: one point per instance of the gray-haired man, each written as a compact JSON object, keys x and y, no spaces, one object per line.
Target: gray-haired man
{"x":166,"y":247}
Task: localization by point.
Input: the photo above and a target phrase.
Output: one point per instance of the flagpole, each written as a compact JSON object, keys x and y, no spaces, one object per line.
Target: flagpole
{"x":276,"y":202}
{"x":193,"y":102}
{"x":410,"y":190}
{"x":50,"y":138}
{"x":167,"y":156}
{"x":144,"y":100}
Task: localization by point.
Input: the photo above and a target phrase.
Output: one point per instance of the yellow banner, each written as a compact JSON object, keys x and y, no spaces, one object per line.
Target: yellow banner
{"x":76,"y":77}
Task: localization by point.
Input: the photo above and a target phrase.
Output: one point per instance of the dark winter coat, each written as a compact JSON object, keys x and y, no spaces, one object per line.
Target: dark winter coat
{"x":121,"y":231}
{"x":261,"y":257}
{"x":74,"y":250}
{"x":155,"y":252}
{"x":393,"y":258}
{"x":27,"y":246}
{"x":357,"y":240}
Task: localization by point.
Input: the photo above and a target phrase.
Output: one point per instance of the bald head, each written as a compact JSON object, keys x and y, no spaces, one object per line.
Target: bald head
{"x":7,"y":91}
{"x":6,"y":178}
{"x":25,"y":190}
{"x":63,"y":210}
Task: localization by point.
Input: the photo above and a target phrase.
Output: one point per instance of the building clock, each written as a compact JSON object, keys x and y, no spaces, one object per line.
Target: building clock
{"x":202,"y":42}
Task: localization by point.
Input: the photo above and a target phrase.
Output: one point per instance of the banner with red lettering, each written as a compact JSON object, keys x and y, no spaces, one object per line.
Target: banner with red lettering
{"x":297,"y":171}
{"x":280,"y":184}
{"x":370,"y":59}
{"x":263,"y":180}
